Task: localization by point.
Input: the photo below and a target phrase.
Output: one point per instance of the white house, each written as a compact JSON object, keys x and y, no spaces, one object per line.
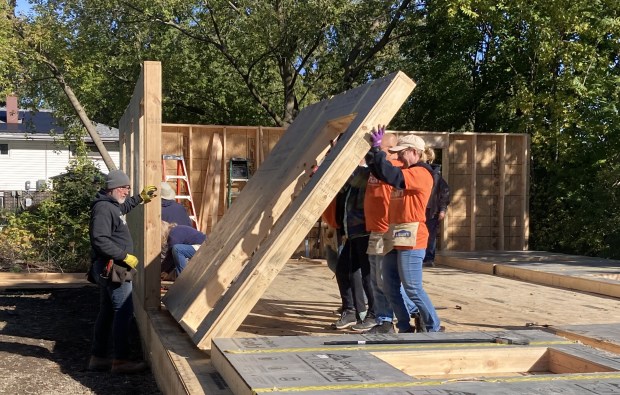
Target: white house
{"x":29,"y":156}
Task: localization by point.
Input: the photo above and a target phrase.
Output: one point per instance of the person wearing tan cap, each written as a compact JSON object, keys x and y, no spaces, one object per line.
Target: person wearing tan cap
{"x":412,"y":185}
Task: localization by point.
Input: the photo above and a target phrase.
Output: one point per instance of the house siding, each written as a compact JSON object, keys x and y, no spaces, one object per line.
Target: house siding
{"x":31,"y":160}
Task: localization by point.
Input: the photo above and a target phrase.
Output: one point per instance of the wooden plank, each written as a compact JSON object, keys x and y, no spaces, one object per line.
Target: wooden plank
{"x":502,"y":192}
{"x":601,"y":287}
{"x":178,"y":366}
{"x":472,"y":202}
{"x":150,"y":173}
{"x":478,"y":362}
{"x":41,"y":280}
{"x":211,"y":187}
{"x":268,"y":194}
{"x":526,"y":192}
{"x":603,"y":337}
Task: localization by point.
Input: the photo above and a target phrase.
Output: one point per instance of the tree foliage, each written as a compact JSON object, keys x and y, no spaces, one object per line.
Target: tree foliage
{"x":548,"y":68}
{"x":53,"y":235}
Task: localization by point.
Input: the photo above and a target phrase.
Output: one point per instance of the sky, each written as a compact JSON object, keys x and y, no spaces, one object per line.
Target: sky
{"x":22,"y":7}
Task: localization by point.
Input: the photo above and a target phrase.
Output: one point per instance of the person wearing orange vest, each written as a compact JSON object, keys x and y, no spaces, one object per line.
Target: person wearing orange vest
{"x":376,"y":204}
{"x":412,"y":186}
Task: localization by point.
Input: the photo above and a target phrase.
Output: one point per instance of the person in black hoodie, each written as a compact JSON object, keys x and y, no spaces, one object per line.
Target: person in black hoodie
{"x":435,"y":210}
{"x":113,"y":265}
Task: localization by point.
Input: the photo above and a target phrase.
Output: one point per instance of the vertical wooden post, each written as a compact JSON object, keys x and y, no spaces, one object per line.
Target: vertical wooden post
{"x":445,"y":172}
{"x":525,"y":188}
{"x":472,"y":207}
{"x":502,"y":192}
{"x":151,"y":174}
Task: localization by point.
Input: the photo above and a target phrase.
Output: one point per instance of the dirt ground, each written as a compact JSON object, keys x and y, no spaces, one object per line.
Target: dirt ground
{"x":45,"y":338}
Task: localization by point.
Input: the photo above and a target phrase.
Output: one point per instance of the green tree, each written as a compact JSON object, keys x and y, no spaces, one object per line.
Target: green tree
{"x":53,"y":235}
{"x":547,"y":68}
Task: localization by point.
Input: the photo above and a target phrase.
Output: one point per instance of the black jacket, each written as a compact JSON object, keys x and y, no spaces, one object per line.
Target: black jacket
{"x":440,"y":195}
{"x":109,"y":234}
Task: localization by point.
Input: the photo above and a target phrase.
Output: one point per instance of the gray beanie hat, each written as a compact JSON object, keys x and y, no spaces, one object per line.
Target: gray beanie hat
{"x":115,"y":179}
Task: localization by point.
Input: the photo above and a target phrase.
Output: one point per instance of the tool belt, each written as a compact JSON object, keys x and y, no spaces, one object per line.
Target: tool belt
{"x":117,"y":273}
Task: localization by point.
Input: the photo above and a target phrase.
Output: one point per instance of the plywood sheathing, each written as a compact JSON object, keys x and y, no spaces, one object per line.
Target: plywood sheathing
{"x":305,"y":364}
{"x":278,"y":207}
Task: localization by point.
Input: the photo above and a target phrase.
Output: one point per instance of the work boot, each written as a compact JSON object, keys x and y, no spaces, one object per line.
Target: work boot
{"x":367,"y":323}
{"x":123,"y":366}
{"x":98,"y":364}
{"x":384,"y":327}
{"x":420,"y":326}
{"x":346,"y":320}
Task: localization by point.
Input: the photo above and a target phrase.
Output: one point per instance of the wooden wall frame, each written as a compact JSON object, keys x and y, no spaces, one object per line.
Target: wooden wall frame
{"x":277,"y":208}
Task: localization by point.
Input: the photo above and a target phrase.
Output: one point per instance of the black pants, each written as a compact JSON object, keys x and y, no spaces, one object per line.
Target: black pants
{"x":353,"y":276}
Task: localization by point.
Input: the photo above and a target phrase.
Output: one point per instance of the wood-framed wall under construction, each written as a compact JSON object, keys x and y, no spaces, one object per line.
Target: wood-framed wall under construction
{"x":488,"y":174}
{"x":207,"y":150}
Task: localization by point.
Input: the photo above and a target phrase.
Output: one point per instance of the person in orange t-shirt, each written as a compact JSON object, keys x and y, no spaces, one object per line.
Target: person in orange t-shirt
{"x":412,"y":186}
{"x":376,"y":206}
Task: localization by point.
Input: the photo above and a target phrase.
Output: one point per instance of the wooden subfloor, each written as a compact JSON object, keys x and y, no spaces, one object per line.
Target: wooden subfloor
{"x":302,"y":298}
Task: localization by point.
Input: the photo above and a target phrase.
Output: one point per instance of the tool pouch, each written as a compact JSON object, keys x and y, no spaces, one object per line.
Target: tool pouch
{"x":117,"y":273}
{"x":375,"y":244}
{"x":120,"y":274}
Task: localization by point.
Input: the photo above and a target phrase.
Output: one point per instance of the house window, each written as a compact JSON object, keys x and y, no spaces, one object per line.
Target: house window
{"x":4,"y":149}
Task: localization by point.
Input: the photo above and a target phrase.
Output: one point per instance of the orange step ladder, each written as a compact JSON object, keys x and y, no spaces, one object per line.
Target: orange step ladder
{"x":182,"y":183}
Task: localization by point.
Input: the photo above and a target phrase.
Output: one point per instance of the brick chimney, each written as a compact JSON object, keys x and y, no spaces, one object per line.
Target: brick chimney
{"x":12,"y":111}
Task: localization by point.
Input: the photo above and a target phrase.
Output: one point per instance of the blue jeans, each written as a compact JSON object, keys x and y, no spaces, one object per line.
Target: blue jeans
{"x":383,"y":308}
{"x":115,"y":313}
{"x":181,"y":253}
{"x":432,"y":224}
{"x":405,"y":266}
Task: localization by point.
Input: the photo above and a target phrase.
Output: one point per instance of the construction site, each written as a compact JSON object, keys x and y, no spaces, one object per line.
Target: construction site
{"x":251,"y":313}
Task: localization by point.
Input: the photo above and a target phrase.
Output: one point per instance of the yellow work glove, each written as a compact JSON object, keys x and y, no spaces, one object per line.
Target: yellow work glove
{"x":131,"y":260}
{"x":148,"y":193}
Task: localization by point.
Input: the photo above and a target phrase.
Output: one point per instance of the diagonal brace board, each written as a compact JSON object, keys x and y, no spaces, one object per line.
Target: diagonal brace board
{"x":279,"y":177}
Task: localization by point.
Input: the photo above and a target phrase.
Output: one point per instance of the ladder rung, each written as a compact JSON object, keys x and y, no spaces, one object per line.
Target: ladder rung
{"x":176,"y":178}
{"x":172,"y":157}
{"x":183,"y":197}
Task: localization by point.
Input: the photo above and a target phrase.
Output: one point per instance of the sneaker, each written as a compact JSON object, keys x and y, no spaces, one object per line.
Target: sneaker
{"x":420,"y":326}
{"x":122,"y":366}
{"x":98,"y":364}
{"x":367,"y":323}
{"x":338,"y":311}
{"x":428,"y":263}
{"x":410,"y":330}
{"x":384,"y":327}
{"x":347,"y":319}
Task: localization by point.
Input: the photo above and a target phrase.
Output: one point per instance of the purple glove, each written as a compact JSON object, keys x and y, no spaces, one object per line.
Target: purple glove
{"x":376,"y":136}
